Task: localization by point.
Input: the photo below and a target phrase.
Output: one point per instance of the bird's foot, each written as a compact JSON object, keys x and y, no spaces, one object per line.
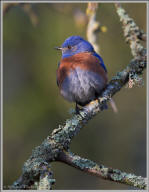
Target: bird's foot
{"x":77,"y":109}
{"x":102,"y":105}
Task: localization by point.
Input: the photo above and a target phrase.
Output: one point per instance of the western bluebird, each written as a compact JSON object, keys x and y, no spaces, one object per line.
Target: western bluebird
{"x":81,"y":73}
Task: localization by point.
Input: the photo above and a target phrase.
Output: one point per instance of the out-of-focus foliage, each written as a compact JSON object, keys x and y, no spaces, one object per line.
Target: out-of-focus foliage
{"x":33,"y":106}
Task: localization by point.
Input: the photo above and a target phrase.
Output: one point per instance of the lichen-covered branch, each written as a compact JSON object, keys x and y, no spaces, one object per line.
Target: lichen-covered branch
{"x":101,"y":171}
{"x":37,"y":172}
{"x":8,"y":6}
{"x":132,"y":33}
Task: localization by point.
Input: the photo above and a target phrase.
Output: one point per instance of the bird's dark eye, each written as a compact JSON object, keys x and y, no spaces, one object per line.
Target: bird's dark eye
{"x":69,"y":47}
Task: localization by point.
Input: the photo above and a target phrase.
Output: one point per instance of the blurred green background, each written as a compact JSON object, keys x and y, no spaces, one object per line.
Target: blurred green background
{"x":33,"y":106}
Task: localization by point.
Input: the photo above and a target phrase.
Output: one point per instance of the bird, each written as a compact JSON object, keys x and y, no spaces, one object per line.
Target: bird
{"x":81,"y":74}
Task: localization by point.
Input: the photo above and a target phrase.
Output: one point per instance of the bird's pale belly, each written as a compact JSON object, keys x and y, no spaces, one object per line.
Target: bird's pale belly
{"x":82,"y":86}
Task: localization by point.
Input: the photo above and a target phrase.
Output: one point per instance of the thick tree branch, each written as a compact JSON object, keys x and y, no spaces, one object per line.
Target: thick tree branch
{"x":37,"y":173}
{"x":101,"y":171}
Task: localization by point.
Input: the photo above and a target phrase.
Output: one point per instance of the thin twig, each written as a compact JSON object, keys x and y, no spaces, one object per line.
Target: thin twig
{"x":101,"y":171}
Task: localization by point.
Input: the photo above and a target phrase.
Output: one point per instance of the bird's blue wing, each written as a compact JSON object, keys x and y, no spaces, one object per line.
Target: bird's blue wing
{"x":56,"y":75}
{"x":101,"y":61}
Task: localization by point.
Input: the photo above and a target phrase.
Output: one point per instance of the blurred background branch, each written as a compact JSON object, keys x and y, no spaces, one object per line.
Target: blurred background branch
{"x":27,"y":8}
{"x":94,"y":26}
{"x":8,"y":6}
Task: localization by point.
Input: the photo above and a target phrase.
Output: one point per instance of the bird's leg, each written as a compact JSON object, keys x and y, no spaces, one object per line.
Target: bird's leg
{"x":77,"y":109}
{"x":102,"y":105}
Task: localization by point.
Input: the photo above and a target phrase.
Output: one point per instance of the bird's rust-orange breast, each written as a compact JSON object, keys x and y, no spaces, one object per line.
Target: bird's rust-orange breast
{"x":85,"y":61}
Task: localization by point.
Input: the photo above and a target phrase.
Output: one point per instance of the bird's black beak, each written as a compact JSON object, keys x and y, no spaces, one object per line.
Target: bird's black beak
{"x":58,"y":48}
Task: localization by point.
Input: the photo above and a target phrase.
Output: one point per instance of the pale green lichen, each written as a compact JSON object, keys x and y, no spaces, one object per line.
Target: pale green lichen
{"x":136,"y":181}
{"x":83,"y":163}
{"x":104,"y":172}
{"x":131,"y":31}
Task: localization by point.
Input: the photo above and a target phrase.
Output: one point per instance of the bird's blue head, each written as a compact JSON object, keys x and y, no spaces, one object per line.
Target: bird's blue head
{"x":74,"y":45}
